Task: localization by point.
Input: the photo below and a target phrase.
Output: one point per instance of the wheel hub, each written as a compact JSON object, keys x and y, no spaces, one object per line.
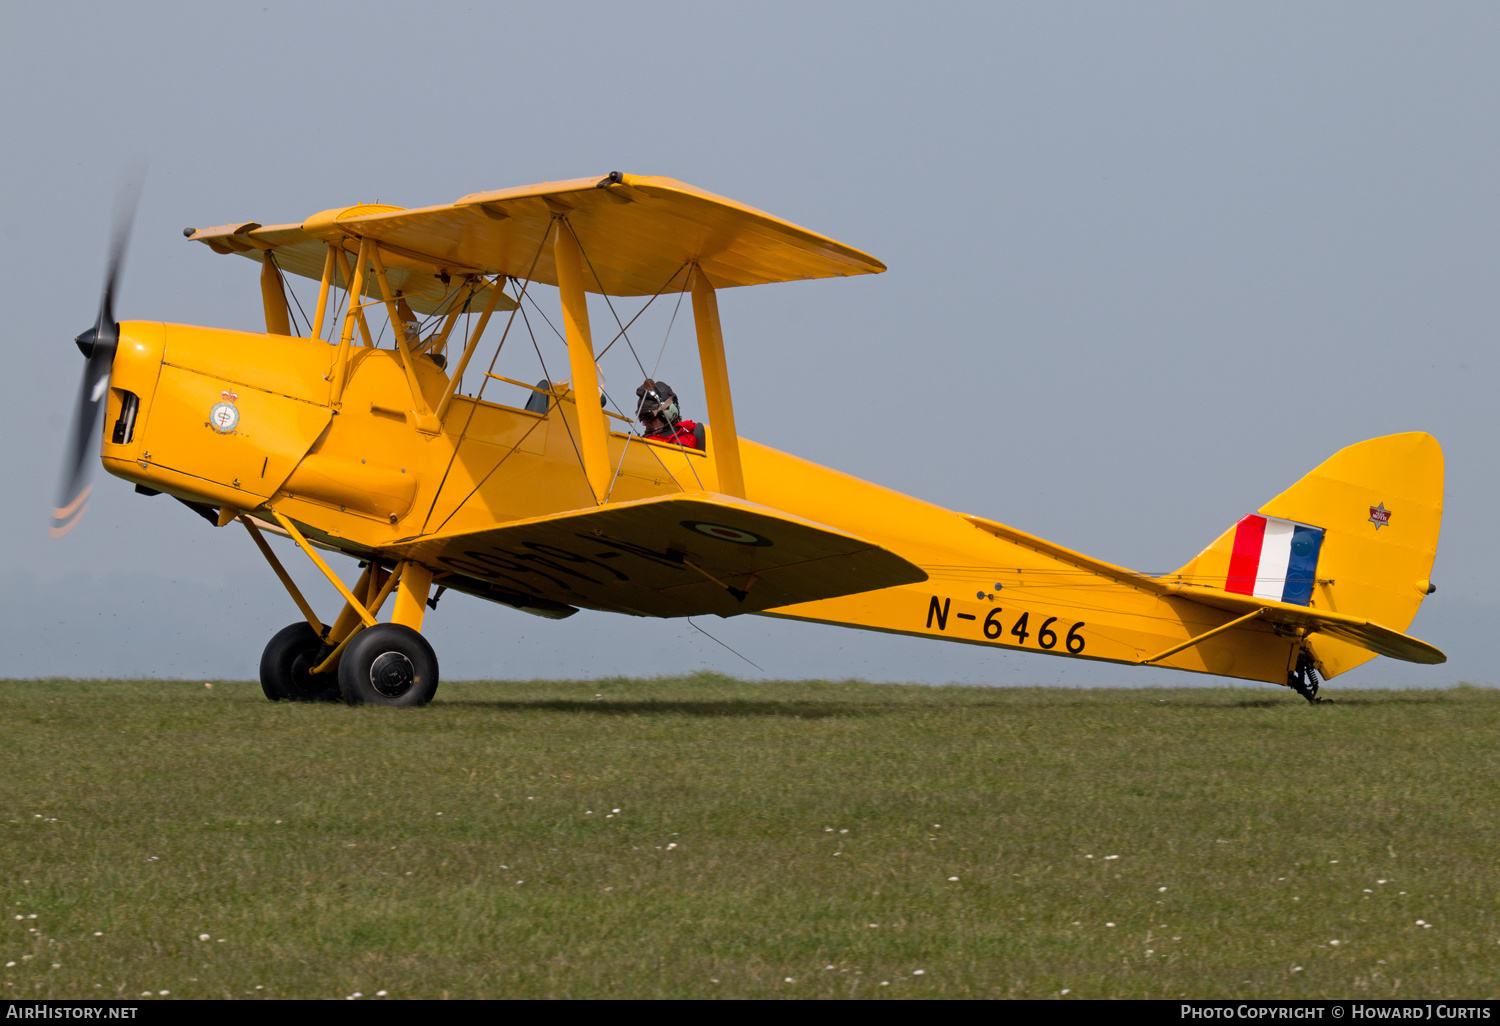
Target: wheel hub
{"x":392,"y":674}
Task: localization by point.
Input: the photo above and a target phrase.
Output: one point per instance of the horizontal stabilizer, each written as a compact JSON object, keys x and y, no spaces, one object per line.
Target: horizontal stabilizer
{"x":1355,"y":630}
{"x":678,"y":555}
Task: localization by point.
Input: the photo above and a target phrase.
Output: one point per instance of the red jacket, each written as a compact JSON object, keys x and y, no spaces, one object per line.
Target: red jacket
{"x":681,"y":433}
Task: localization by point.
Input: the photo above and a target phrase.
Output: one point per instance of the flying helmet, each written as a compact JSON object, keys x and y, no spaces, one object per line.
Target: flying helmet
{"x":656,"y":399}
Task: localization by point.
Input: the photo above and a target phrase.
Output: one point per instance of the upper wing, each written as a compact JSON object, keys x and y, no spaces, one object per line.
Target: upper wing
{"x":638,"y":232}
{"x":678,"y":555}
{"x":428,"y":285}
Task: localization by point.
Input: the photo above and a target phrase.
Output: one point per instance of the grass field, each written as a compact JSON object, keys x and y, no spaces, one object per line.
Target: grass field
{"x":709,"y":837}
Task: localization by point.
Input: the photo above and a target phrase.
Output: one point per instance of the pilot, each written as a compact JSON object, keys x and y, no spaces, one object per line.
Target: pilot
{"x":661,"y":419}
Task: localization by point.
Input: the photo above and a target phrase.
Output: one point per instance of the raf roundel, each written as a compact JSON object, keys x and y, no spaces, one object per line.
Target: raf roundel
{"x":223,"y":418}
{"x":725,"y":533}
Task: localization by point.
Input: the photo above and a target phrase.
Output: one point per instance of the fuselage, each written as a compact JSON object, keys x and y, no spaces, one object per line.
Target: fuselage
{"x":246,"y":421}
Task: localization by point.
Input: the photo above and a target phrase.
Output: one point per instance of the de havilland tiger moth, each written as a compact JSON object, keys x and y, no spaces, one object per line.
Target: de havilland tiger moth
{"x":319,"y":430}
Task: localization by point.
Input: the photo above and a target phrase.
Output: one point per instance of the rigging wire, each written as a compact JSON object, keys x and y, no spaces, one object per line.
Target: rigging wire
{"x":620,"y":334}
{"x":721,"y":644}
{"x":338,"y":306}
{"x":600,"y":283}
{"x":662,"y":351}
{"x":286,"y":289}
{"x":464,"y":433}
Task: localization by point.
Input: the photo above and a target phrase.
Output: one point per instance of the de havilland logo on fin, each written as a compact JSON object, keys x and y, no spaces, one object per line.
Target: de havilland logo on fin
{"x":1380,"y":516}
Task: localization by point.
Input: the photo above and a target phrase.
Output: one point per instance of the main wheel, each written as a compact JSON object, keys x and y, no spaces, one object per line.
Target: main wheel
{"x":388,"y":664}
{"x":285,"y":666}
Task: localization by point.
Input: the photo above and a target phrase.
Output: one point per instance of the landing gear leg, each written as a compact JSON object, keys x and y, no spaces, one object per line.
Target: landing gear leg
{"x":1304,"y":679}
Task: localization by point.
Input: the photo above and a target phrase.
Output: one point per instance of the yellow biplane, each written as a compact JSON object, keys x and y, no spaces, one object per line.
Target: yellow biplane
{"x":323,"y":431}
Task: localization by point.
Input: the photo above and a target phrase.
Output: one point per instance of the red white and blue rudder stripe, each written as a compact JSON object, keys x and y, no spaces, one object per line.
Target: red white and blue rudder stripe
{"x":1274,"y":559}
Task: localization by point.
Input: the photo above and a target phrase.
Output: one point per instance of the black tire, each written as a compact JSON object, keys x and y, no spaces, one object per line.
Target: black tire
{"x":388,"y":664}
{"x":285,"y":663}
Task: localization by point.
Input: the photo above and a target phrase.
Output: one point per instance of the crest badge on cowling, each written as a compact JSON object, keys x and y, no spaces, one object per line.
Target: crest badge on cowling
{"x":224,"y":417}
{"x":1380,"y":516}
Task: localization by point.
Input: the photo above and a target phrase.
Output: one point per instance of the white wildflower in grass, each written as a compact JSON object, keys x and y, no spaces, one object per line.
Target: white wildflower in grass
{"x":1160,"y":890}
{"x":828,"y":830}
{"x":98,"y":933}
{"x":164,"y":993}
{"x":1368,"y":891}
{"x":57,"y":965}
{"x":1334,"y":943}
{"x":1108,"y":857}
{"x":790,"y":980}
{"x":203,"y":936}
{"x":1088,"y":856}
{"x":844,"y":831}
{"x":9,"y":965}
{"x":825,"y":967}
{"x":919,"y":972}
{"x":953,"y":879}
{"x":874,"y":926}
{"x":1421,"y":922}
{"x":1109,"y":924}
{"x":1333,"y":862}
{"x":145,"y":993}
{"x":671,"y":846}
{"x":380,"y":993}
{"x":32,"y":916}
{"x":1296,"y":968}
{"x":1380,"y":881}
{"x":220,"y":940}
{"x":1066,"y":990}
{"x":885,"y":983}
{"x":614,"y":811}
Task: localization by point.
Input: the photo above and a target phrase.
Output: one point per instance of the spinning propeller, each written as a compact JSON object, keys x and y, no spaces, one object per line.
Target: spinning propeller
{"x":98,"y":345}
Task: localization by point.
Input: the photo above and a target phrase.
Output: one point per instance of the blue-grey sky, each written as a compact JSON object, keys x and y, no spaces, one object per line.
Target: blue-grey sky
{"x":1149,"y":264}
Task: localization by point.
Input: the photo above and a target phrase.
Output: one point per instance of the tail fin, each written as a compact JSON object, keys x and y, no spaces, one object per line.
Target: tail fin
{"x":1356,"y":536}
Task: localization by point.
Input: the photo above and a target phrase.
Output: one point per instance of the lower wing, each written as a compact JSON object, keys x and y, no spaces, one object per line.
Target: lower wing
{"x":678,"y":555}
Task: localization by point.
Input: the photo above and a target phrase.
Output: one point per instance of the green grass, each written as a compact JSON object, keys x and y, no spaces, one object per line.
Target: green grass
{"x":328,"y":850}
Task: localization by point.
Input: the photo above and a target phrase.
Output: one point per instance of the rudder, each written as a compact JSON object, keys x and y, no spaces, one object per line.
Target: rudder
{"x":1357,"y":535}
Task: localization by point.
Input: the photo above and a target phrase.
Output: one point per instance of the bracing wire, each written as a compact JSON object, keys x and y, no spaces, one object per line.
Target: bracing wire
{"x":721,"y":644}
